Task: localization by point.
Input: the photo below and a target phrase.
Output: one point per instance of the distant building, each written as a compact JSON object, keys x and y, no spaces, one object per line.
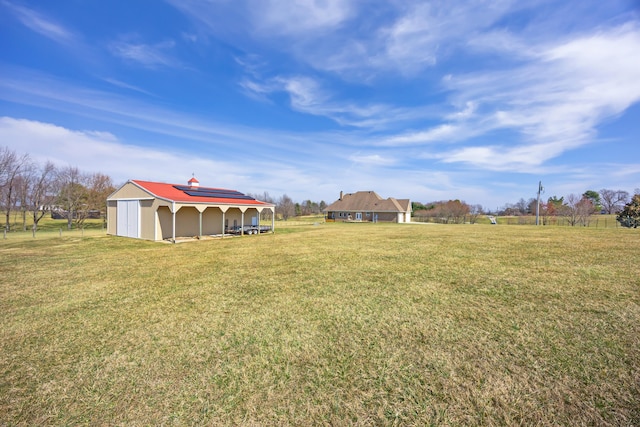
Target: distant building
{"x":368,"y":206}
{"x":160,"y":211}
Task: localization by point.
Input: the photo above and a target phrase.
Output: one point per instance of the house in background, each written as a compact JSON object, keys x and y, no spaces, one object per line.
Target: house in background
{"x":158,"y":211}
{"x":368,"y":206}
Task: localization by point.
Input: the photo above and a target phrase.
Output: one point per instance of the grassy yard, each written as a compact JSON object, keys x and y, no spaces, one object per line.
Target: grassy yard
{"x":331,"y":324}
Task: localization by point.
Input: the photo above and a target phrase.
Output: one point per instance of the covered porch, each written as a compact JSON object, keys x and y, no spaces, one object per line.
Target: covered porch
{"x":177,"y":220}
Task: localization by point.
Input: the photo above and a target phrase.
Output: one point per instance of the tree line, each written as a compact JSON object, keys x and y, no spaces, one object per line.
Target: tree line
{"x":447,"y":212}
{"x":575,"y":209}
{"x":286,"y":208}
{"x":32,"y":189}
{"x":605,"y":201}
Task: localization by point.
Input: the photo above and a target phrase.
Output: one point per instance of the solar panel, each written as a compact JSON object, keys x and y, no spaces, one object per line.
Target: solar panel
{"x":219,"y":195}
{"x":204,"y":189}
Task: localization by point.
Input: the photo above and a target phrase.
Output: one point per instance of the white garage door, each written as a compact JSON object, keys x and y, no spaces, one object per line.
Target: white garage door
{"x":128,"y":222}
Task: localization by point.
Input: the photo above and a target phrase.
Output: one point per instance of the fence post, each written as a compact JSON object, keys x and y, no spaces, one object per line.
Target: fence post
{"x":60,"y":232}
{"x":5,"y":234}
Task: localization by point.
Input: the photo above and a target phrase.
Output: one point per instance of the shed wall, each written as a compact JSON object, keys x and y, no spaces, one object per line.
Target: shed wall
{"x":212,"y":221}
{"x":112,"y":214}
{"x":147,"y":220}
{"x":187,"y":222}
{"x":164,"y":223}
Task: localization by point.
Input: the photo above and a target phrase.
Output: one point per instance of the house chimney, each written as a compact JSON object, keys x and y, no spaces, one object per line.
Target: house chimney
{"x":193,"y":182}
{"x":340,"y":195}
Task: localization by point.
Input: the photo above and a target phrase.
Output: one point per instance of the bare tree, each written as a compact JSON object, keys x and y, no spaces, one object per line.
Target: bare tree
{"x":586,"y":208}
{"x":99,"y":187}
{"x":72,"y":195}
{"x":452,"y":211}
{"x":40,"y":194}
{"x":613,"y":200}
{"x":474,"y":212}
{"x":456,"y":211}
{"x":522,"y":206}
{"x":286,"y":207}
{"x":577,"y":210}
{"x":22,"y":192}
{"x":11,"y":165}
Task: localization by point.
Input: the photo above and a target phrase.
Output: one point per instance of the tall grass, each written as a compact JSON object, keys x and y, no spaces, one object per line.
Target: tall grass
{"x":340,"y":324}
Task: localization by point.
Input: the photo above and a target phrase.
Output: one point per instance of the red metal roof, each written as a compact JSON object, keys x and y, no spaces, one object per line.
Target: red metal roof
{"x":171,"y":193}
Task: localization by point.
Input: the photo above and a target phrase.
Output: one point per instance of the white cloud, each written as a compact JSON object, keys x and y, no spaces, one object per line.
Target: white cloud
{"x":41,"y":24}
{"x":440,"y":133}
{"x":464,"y":114}
{"x":522,"y":158}
{"x":372,"y":159}
{"x":124,"y":85}
{"x":416,"y":37}
{"x":103,"y":152}
{"x":295,"y":18}
{"x":97,"y":151}
{"x":356,"y":40}
{"x":307,"y":95}
{"x":556,"y":102}
{"x":150,"y":56}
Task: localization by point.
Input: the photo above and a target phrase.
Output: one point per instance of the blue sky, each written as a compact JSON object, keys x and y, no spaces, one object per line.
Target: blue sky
{"x":470,"y":100}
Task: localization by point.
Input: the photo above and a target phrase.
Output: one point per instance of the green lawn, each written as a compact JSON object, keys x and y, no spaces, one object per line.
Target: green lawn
{"x":331,"y":324}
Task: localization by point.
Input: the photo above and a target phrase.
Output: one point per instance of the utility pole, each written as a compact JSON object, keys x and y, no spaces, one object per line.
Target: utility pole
{"x":540,"y":189}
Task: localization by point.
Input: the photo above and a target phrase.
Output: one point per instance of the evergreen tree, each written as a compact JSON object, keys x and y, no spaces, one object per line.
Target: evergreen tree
{"x":630,"y":215}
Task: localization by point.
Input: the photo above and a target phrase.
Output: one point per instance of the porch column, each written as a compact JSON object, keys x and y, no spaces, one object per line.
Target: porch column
{"x":243,"y":209}
{"x":273,"y":220}
{"x":200,"y":209}
{"x":259,"y":209}
{"x":173,"y":221}
{"x":223,"y":209}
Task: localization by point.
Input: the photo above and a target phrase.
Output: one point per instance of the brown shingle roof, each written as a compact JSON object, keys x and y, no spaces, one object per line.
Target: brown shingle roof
{"x":367,"y":201}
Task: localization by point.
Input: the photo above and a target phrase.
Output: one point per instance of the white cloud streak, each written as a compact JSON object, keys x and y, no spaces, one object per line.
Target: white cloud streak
{"x":41,"y":24}
{"x":298,"y":17}
{"x":554,"y":103}
{"x":150,"y":56}
{"x":104,"y":152}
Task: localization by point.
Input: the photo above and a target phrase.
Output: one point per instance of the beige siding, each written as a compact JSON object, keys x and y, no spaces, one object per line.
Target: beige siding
{"x":164,"y":223}
{"x":233,"y":216}
{"x":251,"y":213}
{"x":130,"y":191}
{"x":212,"y":221}
{"x":112,"y":214}
{"x":187,"y":222}
{"x":147,"y":220}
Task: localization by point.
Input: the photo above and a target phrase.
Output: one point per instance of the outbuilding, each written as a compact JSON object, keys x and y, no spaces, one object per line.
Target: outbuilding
{"x":160,"y":211}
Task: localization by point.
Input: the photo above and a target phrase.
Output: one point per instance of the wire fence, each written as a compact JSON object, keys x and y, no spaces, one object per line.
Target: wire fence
{"x":594,"y":221}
